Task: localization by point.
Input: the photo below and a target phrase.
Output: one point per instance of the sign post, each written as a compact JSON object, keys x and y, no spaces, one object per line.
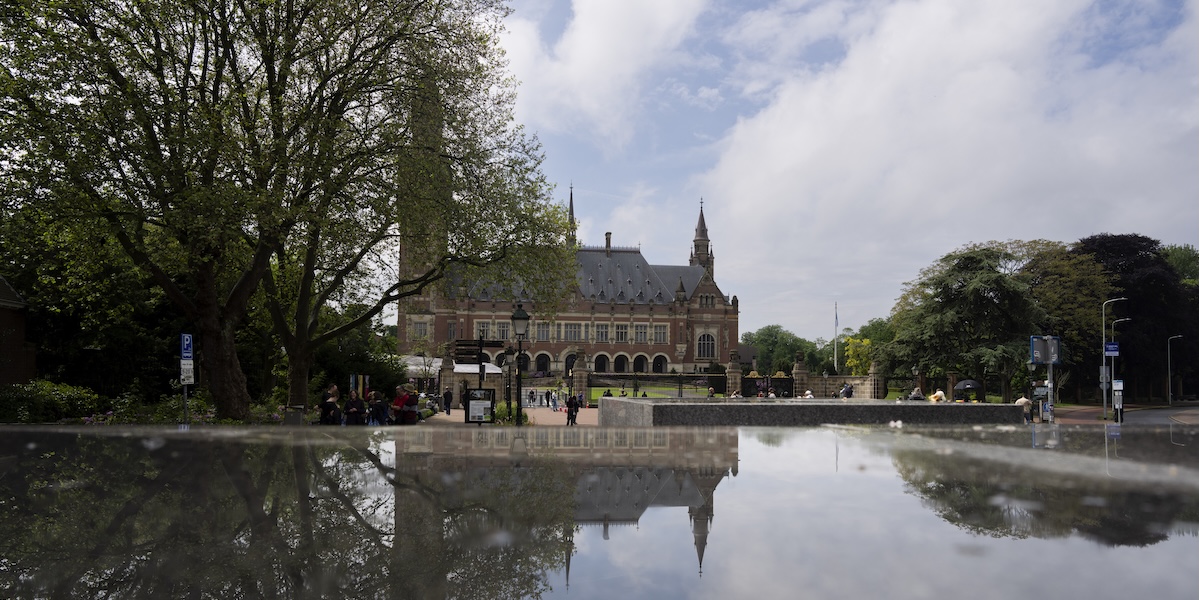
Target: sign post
{"x":187,"y":371}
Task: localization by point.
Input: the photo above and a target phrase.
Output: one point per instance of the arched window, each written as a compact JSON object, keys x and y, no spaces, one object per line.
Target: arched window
{"x":707,"y":346}
{"x":659,"y":364}
{"x":543,"y":363}
{"x":570,"y":362}
{"x":601,"y":364}
{"x":524,"y":362}
{"x":639,"y":364}
{"x":622,"y":364}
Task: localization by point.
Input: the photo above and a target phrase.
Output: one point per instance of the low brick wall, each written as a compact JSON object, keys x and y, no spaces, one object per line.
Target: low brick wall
{"x":629,"y":412}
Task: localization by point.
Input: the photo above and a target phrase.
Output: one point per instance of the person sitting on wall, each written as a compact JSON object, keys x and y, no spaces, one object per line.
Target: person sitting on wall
{"x":1026,"y":404}
{"x":938,"y":396}
{"x":916,"y":395}
{"x":808,"y":394}
{"x":608,"y":392}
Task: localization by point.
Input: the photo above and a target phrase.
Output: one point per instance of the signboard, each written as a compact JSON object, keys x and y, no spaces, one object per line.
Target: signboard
{"x":1044,"y":350}
{"x":480,"y":406}
{"x":187,"y":372}
{"x":185,"y":346}
{"x":471,"y":351}
{"x":1118,"y":385}
{"x":1111,"y":348}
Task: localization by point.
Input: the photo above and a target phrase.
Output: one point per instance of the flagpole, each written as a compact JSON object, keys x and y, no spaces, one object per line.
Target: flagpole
{"x":836,"y":332}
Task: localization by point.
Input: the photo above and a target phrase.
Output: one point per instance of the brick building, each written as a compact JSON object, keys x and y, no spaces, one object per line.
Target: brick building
{"x":625,"y":316}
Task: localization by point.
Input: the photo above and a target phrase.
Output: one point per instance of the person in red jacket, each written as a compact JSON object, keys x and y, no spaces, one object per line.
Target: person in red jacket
{"x":404,"y":409}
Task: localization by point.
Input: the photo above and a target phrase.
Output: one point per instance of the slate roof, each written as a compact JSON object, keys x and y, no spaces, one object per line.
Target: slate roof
{"x":624,"y":275}
{"x":9,"y":298}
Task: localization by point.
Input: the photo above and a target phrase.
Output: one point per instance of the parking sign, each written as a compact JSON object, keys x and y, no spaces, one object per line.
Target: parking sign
{"x":185,"y":346}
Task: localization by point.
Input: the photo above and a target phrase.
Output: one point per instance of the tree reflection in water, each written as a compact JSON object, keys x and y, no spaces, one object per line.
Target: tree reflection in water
{"x":225,"y":517}
{"x":1002,"y":494}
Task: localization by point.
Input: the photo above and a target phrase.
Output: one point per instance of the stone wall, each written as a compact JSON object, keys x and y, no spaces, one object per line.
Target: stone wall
{"x":629,"y":412}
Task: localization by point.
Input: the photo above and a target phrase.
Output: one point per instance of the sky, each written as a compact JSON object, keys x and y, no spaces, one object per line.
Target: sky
{"x":841,"y":146}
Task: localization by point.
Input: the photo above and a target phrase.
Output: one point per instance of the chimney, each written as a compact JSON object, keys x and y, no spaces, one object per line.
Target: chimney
{"x":608,"y":243}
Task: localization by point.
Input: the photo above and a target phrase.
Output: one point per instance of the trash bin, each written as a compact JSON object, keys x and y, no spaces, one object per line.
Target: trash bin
{"x":293,"y":415}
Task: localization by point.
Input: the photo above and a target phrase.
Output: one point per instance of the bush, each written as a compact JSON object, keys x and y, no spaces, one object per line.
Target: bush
{"x":503,"y":418}
{"x":46,"y":402}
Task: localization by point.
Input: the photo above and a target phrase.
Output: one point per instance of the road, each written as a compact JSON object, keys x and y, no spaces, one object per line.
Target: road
{"x":1133,"y":415}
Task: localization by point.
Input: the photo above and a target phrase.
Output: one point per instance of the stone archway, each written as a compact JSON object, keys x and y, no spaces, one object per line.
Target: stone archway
{"x":640,"y":364}
{"x":621,"y":364}
{"x":660,"y":364}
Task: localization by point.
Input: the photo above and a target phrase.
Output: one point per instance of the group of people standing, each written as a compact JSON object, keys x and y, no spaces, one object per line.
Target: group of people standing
{"x":404,"y":409}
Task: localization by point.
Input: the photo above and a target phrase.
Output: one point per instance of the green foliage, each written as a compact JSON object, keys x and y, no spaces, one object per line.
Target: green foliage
{"x":969,"y":312}
{"x":45,"y":402}
{"x":777,"y":348}
{"x":503,"y":417}
{"x":1184,"y":259}
{"x":858,"y":355}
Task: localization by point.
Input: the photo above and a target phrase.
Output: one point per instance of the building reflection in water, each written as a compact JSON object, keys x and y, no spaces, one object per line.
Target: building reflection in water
{"x":493,"y":512}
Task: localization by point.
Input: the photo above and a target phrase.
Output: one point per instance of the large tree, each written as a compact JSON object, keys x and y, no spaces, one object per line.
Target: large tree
{"x":968,"y":312}
{"x":220,"y":142}
{"x":1158,"y":304}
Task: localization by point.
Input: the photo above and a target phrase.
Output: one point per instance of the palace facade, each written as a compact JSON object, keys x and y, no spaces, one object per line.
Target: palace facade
{"x":626,"y":316}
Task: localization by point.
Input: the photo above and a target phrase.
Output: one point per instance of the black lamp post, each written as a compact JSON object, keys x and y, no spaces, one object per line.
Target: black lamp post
{"x":520,"y":326}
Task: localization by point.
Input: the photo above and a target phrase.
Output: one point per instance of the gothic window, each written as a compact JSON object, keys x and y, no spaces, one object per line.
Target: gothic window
{"x":707,"y":346}
{"x":420,"y":331}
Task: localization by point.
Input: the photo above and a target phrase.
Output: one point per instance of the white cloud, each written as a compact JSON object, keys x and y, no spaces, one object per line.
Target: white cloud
{"x":843,"y":145}
{"x":945,"y":123}
{"x":589,"y":81}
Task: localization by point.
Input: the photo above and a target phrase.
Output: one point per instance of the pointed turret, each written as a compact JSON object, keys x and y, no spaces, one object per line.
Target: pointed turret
{"x":701,"y":249}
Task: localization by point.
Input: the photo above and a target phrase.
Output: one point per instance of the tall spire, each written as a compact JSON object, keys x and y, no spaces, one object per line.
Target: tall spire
{"x":570,"y":234}
{"x":701,"y":228}
{"x":701,"y":249}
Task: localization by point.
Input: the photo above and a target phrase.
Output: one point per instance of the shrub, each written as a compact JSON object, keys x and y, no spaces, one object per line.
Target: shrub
{"x":46,"y":402}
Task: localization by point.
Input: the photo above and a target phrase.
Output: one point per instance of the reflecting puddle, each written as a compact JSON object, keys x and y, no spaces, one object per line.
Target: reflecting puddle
{"x":835,"y":512}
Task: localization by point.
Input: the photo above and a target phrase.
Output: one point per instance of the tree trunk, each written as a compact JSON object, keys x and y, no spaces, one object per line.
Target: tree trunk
{"x":299,"y":365}
{"x":223,"y":369}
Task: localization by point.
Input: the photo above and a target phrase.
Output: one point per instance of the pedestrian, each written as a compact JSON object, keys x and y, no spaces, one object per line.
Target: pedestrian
{"x":572,"y":405}
{"x":330,"y":411}
{"x":355,"y":409}
{"x":447,"y":400}
{"x":554,"y":401}
{"x":711,"y":392}
{"x":378,"y":409}
{"x":1026,"y":404}
{"x":406,"y":407}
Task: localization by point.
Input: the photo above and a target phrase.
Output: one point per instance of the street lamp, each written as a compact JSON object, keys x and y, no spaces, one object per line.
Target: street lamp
{"x":520,"y":327}
{"x":1103,"y":348}
{"x":1170,"y":371}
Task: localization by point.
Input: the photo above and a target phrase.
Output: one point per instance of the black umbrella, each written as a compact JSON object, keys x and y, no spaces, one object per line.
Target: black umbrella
{"x":968,"y":384}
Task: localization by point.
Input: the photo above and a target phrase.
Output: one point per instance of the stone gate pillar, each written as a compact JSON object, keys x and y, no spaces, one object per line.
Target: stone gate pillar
{"x":733,"y":373}
{"x":799,"y":376}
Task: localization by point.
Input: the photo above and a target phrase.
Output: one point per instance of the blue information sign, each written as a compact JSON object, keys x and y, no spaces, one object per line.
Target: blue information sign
{"x":185,"y":346}
{"x":1111,"y":348}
